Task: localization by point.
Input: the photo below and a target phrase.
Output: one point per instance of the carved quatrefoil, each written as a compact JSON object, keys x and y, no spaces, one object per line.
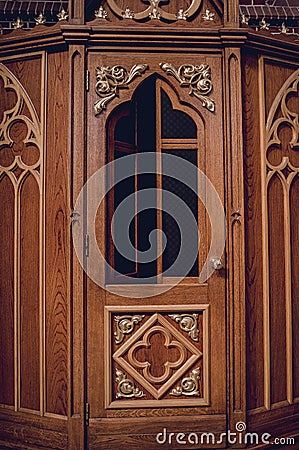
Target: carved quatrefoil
{"x":137,"y":356}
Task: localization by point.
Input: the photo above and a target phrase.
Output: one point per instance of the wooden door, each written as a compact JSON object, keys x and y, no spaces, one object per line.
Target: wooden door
{"x":155,"y":329}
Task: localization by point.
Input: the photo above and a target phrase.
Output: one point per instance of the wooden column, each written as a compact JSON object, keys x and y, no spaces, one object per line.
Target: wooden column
{"x":235,"y":239}
{"x":76,"y":12}
{"x":77,"y":341}
{"x":231,"y":13}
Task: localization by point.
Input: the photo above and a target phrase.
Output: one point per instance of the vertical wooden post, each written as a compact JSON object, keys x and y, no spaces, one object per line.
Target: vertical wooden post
{"x":235,"y":239}
{"x":76,"y":12}
{"x":231,"y":13}
{"x":77,"y":331}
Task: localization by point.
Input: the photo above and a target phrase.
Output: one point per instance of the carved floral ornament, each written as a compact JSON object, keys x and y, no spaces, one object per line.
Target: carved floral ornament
{"x":111,"y":80}
{"x":155,"y":11}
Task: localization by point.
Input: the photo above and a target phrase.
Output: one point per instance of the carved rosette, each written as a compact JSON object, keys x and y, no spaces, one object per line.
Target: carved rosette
{"x":197,"y":78}
{"x":111,"y":80}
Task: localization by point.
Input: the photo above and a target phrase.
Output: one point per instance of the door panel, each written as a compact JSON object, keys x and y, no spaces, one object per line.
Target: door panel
{"x":156,"y":361}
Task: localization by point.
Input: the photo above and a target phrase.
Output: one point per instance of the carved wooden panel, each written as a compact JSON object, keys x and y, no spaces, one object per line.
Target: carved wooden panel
{"x":281,"y":171}
{"x":271,"y":174}
{"x":156,"y":358}
{"x":21,"y":180}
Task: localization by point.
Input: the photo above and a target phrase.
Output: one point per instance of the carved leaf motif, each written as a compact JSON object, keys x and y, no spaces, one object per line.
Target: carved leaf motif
{"x":188,"y":323}
{"x":110,"y":80}
{"x":126,"y":387}
{"x":189,"y":385}
{"x":198,"y":78}
{"x":125,"y":325}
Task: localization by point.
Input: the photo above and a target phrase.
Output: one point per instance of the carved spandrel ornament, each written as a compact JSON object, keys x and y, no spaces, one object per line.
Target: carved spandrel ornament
{"x":189,"y":385}
{"x":197,"y":78}
{"x":126,"y":387}
{"x":125,"y":325}
{"x":111,"y":80}
{"x":188,"y":323}
{"x":155,"y":11}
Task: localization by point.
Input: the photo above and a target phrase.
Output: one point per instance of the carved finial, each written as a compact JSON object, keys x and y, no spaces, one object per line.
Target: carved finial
{"x":264,"y":25}
{"x":18,"y":24}
{"x":283,"y":28}
{"x":101,"y":13}
{"x":154,"y":14}
{"x":128,"y":14}
{"x":63,"y":15}
{"x":244,"y":19}
{"x":208,"y":16}
{"x":40,"y":19}
{"x":181,"y":15}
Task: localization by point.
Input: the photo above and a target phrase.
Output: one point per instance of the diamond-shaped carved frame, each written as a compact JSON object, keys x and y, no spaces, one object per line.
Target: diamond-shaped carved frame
{"x":145,"y":380}
{"x":173,"y":378}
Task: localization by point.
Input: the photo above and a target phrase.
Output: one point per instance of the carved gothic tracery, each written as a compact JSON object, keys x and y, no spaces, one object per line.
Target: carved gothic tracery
{"x":18,"y":133}
{"x":155,"y":11}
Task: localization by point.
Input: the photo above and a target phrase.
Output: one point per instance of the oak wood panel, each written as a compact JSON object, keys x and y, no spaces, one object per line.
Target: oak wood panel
{"x":7,"y":100}
{"x":115,"y":433}
{"x":6,"y":292}
{"x":127,"y":430}
{"x":29,"y":295}
{"x":28,"y":72}
{"x":276,"y":73}
{"x":253,"y":233}
{"x":57,"y":236}
{"x":26,"y":432}
{"x":278,"y":422}
{"x":277,"y":296}
{"x":294,"y":207}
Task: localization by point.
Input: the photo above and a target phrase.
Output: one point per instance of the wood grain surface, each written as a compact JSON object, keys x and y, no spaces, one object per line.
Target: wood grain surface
{"x":57,"y":236}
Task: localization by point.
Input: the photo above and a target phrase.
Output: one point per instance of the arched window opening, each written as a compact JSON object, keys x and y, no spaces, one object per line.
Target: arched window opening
{"x":153,"y":121}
